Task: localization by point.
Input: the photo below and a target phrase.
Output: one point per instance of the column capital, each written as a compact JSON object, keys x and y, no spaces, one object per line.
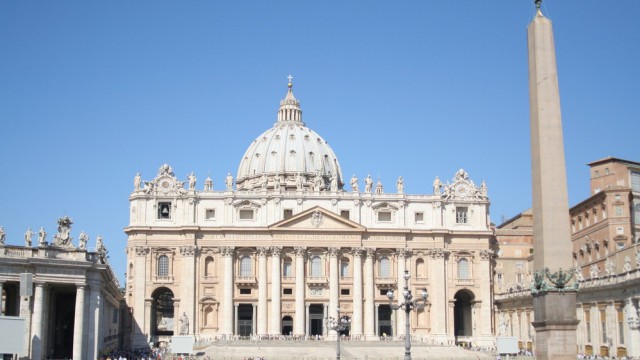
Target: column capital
{"x":263,"y":251}
{"x":276,"y":251}
{"x":404,"y":252}
{"x":333,"y":251}
{"x":371,"y":253}
{"x":188,"y":250}
{"x":357,"y":251}
{"x":227,"y":251}
{"x":142,"y":250}
{"x":300,"y":251}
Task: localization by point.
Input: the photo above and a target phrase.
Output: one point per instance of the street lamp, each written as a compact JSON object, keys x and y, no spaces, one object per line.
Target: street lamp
{"x":339,"y":324}
{"x":408,"y":305}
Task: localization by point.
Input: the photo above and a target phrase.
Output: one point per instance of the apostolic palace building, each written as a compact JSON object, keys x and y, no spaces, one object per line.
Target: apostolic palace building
{"x":286,"y":243}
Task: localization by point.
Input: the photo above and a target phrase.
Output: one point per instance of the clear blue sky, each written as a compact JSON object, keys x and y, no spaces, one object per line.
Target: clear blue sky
{"x":92,"y":92}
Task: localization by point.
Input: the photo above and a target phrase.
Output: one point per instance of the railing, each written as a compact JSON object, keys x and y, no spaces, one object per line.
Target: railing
{"x":316,"y":280}
{"x":245,"y":280}
{"x":385,"y":280}
{"x":162,"y":279}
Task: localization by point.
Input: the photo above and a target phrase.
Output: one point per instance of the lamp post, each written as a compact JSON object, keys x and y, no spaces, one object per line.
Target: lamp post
{"x":339,"y":324}
{"x":408,"y":305}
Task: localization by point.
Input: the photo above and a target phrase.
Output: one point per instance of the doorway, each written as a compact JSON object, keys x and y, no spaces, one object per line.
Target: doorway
{"x":385,"y":327}
{"x":245,"y":319}
{"x":316,"y":319}
{"x":462,"y":313}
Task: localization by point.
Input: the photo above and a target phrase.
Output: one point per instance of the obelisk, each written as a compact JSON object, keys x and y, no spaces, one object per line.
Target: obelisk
{"x":554,"y":305}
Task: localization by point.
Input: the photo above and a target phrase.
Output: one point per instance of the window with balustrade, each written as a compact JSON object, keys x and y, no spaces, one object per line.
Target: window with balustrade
{"x":245,"y":266}
{"x":463,"y":269}
{"x":316,"y":266}
{"x":163,"y":265}
{"x":384,"y":269}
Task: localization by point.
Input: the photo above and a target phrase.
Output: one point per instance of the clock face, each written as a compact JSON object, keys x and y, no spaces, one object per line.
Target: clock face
{"x":462,"y":190}
{"x":165,"y":185}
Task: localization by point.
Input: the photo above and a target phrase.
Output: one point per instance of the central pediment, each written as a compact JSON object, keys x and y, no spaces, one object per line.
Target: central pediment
{"x":317,"y":218}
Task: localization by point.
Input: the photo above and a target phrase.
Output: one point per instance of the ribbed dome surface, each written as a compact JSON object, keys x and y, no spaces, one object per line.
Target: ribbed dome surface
{"x":287,"y":151}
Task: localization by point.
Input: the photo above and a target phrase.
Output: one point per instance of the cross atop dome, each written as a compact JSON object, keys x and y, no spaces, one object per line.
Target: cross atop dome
{"x":289,"y":106}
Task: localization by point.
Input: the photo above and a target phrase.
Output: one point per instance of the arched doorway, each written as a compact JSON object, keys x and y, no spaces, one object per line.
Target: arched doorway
{"x":162,"y":321}
{"x":462,"y":320}
{"x":287,"y":325}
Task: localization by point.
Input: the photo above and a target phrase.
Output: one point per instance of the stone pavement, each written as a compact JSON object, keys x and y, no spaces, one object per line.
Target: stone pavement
{"x":325,"y":350}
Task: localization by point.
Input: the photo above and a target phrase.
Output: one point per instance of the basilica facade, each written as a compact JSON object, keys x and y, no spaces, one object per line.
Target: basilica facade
{"x":290,"y":243}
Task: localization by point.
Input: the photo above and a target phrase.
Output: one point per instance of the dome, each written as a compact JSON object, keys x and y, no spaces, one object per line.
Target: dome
{"x":289,"y":156}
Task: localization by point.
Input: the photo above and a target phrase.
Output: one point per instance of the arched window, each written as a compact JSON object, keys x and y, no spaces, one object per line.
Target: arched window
{"x":385,"y":267}
{"x":208,"y":266}
{"x":245,"y":266}
{"x":344,"y":268}
{"x":421,"y":271}
{"x":463,"y":269}
{"x":316,"y":266}
{"x":163,"y":265}
{"x":287,"y":269}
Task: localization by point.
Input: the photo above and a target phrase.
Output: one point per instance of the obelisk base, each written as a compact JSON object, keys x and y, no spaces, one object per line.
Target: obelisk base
{"x":555,"y":324}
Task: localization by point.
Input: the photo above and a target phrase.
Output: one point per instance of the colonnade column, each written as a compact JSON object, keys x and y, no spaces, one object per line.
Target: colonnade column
{"x":38,"y":313}
{"x":262,"y":290}
{"x":95,"y":312}
{"x":485,"y":296}
{"x":254,"y":315}
{"x":400,"y":316}
{"x":369,"y":309}
{"x":334,"y":285}
{"x":356,"y":321}
{"x":78,"y":324}
{"x":227,"y":297}
{"x":633,"y":323}
{"x":299,"y":323}
{"x":138,"y":337}
{"x":439,"y":296}
{"x":276,"y":305}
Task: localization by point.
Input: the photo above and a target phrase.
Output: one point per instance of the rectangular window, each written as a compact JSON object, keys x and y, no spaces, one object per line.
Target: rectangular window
{"x":210,"y":214}
{"x":287,"y":213}
{"x":635,"y":181}
{"x":246,"y":214}
{"x":419,"y":217}
{"x":344,"y":214}
{"x":519,"y":265}
{"x":287,"y":291}
{"x":620,"y":230}
{"x":587,"y":323}
{"x":344,"y":292}
{"x":500,"y":279}
{"x":383,"y":292}
{"x":384,"y":216}
{"x":461,"y":215}
{"x":115,"y":316}
{"x":164,"y":210}
{"x":618,"y":209}
{"x":621,"y":326}
{"x":245,"y":291}
{"x":603,"y":324}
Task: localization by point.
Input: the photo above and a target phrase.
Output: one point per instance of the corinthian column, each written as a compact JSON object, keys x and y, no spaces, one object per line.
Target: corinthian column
{"x":78,"y":324}
{"x":262,"y":290}
{"x":356,"y":321}
{"x":369,"y":291}
{"x":227,"y":292}
{"x":299,"y":323}
{"x":276,"y":278}
{"x":334,"y":284}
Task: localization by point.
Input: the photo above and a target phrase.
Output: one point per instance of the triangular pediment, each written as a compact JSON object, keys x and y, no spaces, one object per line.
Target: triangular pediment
{"x":317,"y":218}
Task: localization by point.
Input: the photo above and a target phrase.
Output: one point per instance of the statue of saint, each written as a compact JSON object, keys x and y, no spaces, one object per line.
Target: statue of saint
{"x":638,"y":259}
{"x":229,"y":182}
{"x":27,"y":237}
{"x":594,"y":271}
{"x":299,"y":181}
{"x":208,"y":184}
{"x":354,"y":183}
{"x":264,"y":181}
{"x":437,"y":186}
{"x":137,"y":180}
{"x":334,"y":183}
{"x":317,"y":183}
{"x":609,"y":268}
{"x":83,"y":238}
{"x":627,"y":264}
{"x":379,"y":188}
{"x":3,"y":235}
{"x":42,"y":237}
{"x":276,"y":183}
{"x":184,"y":324}
{"x":483,"y":189}
{"x":400,"y":185}
{"x":100,"y":248}
{"x":368,"y":184}
{"x":192,"y":181}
